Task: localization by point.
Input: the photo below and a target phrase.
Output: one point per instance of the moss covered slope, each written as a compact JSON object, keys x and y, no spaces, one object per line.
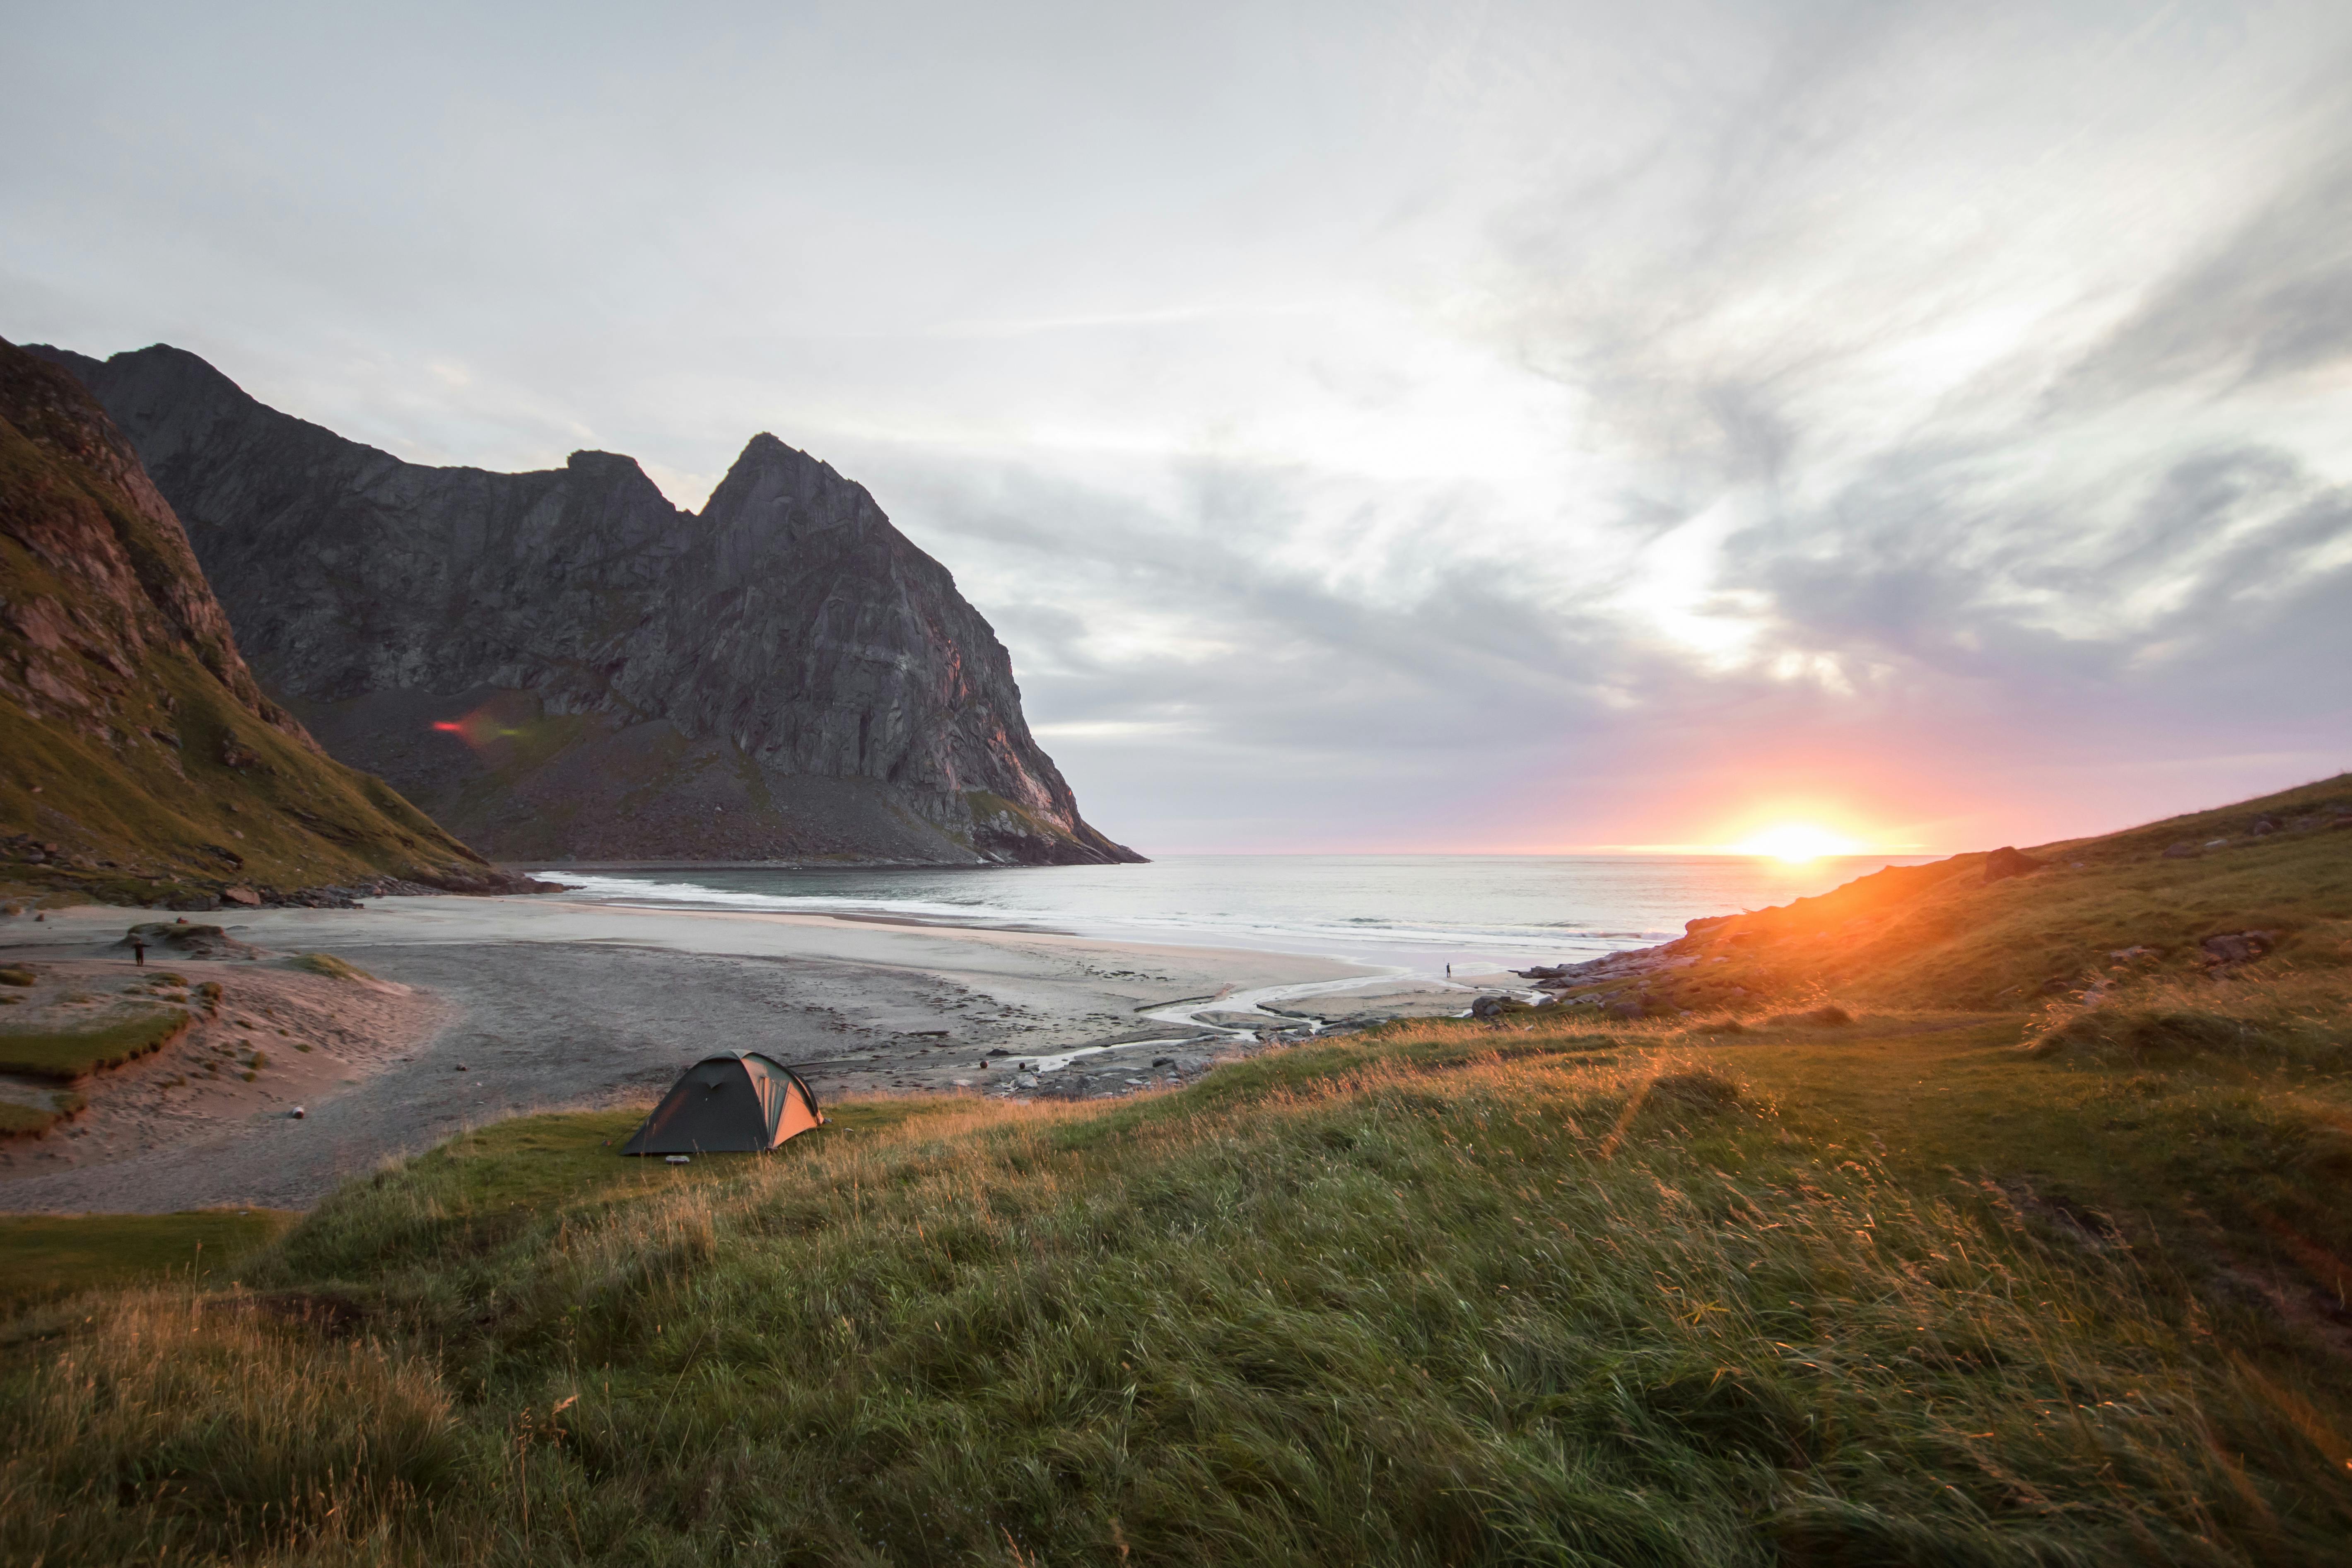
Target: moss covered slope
{"x":141,"y":760}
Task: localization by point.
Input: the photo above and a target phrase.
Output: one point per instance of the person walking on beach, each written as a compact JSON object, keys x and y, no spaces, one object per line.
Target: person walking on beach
{"x":139,"y":952}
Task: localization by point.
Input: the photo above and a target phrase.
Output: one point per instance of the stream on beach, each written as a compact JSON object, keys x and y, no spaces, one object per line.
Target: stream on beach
{"x":1408,"y":914}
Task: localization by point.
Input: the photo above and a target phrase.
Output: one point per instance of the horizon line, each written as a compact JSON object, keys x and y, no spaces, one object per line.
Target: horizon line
{"x":1627,"y":850}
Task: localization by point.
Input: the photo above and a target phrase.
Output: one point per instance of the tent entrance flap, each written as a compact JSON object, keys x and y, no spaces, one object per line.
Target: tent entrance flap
{"x":741,"y":1102}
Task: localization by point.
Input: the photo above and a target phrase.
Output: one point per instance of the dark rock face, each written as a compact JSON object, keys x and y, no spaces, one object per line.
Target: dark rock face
{"x":563,"y":665}
{"x":139,"y":758}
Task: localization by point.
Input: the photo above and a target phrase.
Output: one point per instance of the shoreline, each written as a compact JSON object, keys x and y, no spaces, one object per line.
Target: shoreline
{"x":550,"y":1003}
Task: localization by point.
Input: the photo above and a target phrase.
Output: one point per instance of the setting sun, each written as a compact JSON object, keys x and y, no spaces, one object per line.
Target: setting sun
{"x":1795,"y":841}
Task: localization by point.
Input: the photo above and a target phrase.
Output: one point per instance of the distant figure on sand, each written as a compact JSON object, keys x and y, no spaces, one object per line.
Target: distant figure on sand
{"x":139,"y":952}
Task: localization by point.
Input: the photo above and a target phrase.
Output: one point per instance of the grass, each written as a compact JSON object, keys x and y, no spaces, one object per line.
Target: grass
{"x":2288,"y":1018}
{"x":328,"y":965}
{"x":21,"y":1120}
{"x":45,"y":1257}
{"x":1452,"y":1293}
{"x":1939,"y":936}
{"x":66,"y":1055}
{"x":485,"y":1182}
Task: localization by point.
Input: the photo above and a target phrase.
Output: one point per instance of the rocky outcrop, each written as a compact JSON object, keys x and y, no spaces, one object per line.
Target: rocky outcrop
{"x":2009,"y":861}
{"x":562,"y":665}
{"x":139,"y":759}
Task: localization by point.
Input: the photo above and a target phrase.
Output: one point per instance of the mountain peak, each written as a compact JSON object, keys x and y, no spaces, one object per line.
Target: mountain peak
{"x":562,"y":663}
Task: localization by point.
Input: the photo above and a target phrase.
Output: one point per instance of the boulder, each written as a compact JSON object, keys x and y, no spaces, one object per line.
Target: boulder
{"x":244,"y":896}
{"x":2239,"y":946}
{"x":2184,"y":850}
{"x":2007,"y":862}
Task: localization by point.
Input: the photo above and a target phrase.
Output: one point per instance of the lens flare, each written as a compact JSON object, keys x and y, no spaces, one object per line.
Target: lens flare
{"x":480,"y":728}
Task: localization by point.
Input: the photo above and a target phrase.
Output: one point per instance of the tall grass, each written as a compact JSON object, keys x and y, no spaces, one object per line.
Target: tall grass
{"x":199,"y":1429}
{"x":1487,"y":1310}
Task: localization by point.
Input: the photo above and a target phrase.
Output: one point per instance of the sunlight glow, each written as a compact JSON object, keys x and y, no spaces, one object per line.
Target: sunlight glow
{"x":1796,"y":841}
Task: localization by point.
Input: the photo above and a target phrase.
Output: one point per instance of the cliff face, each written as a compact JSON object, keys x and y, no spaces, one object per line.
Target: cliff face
{"x":563,"y":665}
{"x":139,"y":759}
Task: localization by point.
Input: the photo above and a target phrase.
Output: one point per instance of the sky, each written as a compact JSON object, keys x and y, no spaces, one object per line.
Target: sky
{"x":1478,"y":427}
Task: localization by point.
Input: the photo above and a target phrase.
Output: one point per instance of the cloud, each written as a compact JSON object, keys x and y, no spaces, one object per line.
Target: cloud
{"x":2273,"y":298}
{"x":1411,"y":427}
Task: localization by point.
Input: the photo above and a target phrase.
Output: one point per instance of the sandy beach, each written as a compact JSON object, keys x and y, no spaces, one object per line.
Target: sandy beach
{"x":493,"y":1007}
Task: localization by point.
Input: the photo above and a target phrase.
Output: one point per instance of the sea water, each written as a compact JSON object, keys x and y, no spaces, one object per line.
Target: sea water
{"x":1416,"y":913}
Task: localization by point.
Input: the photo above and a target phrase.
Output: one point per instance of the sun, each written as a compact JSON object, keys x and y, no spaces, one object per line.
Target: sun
{"x":1795,"y":842}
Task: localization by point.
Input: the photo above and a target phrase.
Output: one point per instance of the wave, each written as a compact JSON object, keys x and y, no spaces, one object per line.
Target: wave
{"x":1289,"y":931}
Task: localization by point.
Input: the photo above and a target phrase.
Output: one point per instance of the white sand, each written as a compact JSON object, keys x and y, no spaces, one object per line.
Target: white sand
{"x":550,"y":1003}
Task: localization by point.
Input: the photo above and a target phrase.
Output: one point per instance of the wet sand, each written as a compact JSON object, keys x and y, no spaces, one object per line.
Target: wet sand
{"x":555,"y":1005}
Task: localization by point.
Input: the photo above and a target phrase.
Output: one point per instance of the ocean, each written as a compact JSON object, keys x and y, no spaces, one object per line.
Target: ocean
{"x":1416,"y":913}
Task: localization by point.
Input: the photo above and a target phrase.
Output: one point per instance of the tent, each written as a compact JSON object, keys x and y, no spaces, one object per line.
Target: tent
{"x":739,"y":1102}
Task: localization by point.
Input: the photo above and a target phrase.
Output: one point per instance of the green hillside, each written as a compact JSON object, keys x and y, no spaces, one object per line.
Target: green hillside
{"x":1942,"y":935}
{"x":139,"y":760}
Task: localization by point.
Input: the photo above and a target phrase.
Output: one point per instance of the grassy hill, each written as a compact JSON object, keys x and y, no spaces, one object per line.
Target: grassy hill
{"x":139,"y":760}
{"x":1886,"y":1277}
{"x":2092,"y":912}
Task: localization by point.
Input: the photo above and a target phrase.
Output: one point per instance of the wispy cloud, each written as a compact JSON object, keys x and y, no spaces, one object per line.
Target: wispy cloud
{"x":1423,"y":426}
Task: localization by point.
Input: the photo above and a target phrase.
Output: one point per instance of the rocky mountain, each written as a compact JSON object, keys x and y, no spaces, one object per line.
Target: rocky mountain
{"x":561,"y":665}
{"x":140,"y":761}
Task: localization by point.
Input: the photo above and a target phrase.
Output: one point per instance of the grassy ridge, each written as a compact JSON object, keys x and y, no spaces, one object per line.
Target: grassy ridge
{"x":1453,"y":1294}
{"x":65,"y":1055}
{"x":328,"y":965}
{"x":20,"y":1121}
{"x":1940,"y":935}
